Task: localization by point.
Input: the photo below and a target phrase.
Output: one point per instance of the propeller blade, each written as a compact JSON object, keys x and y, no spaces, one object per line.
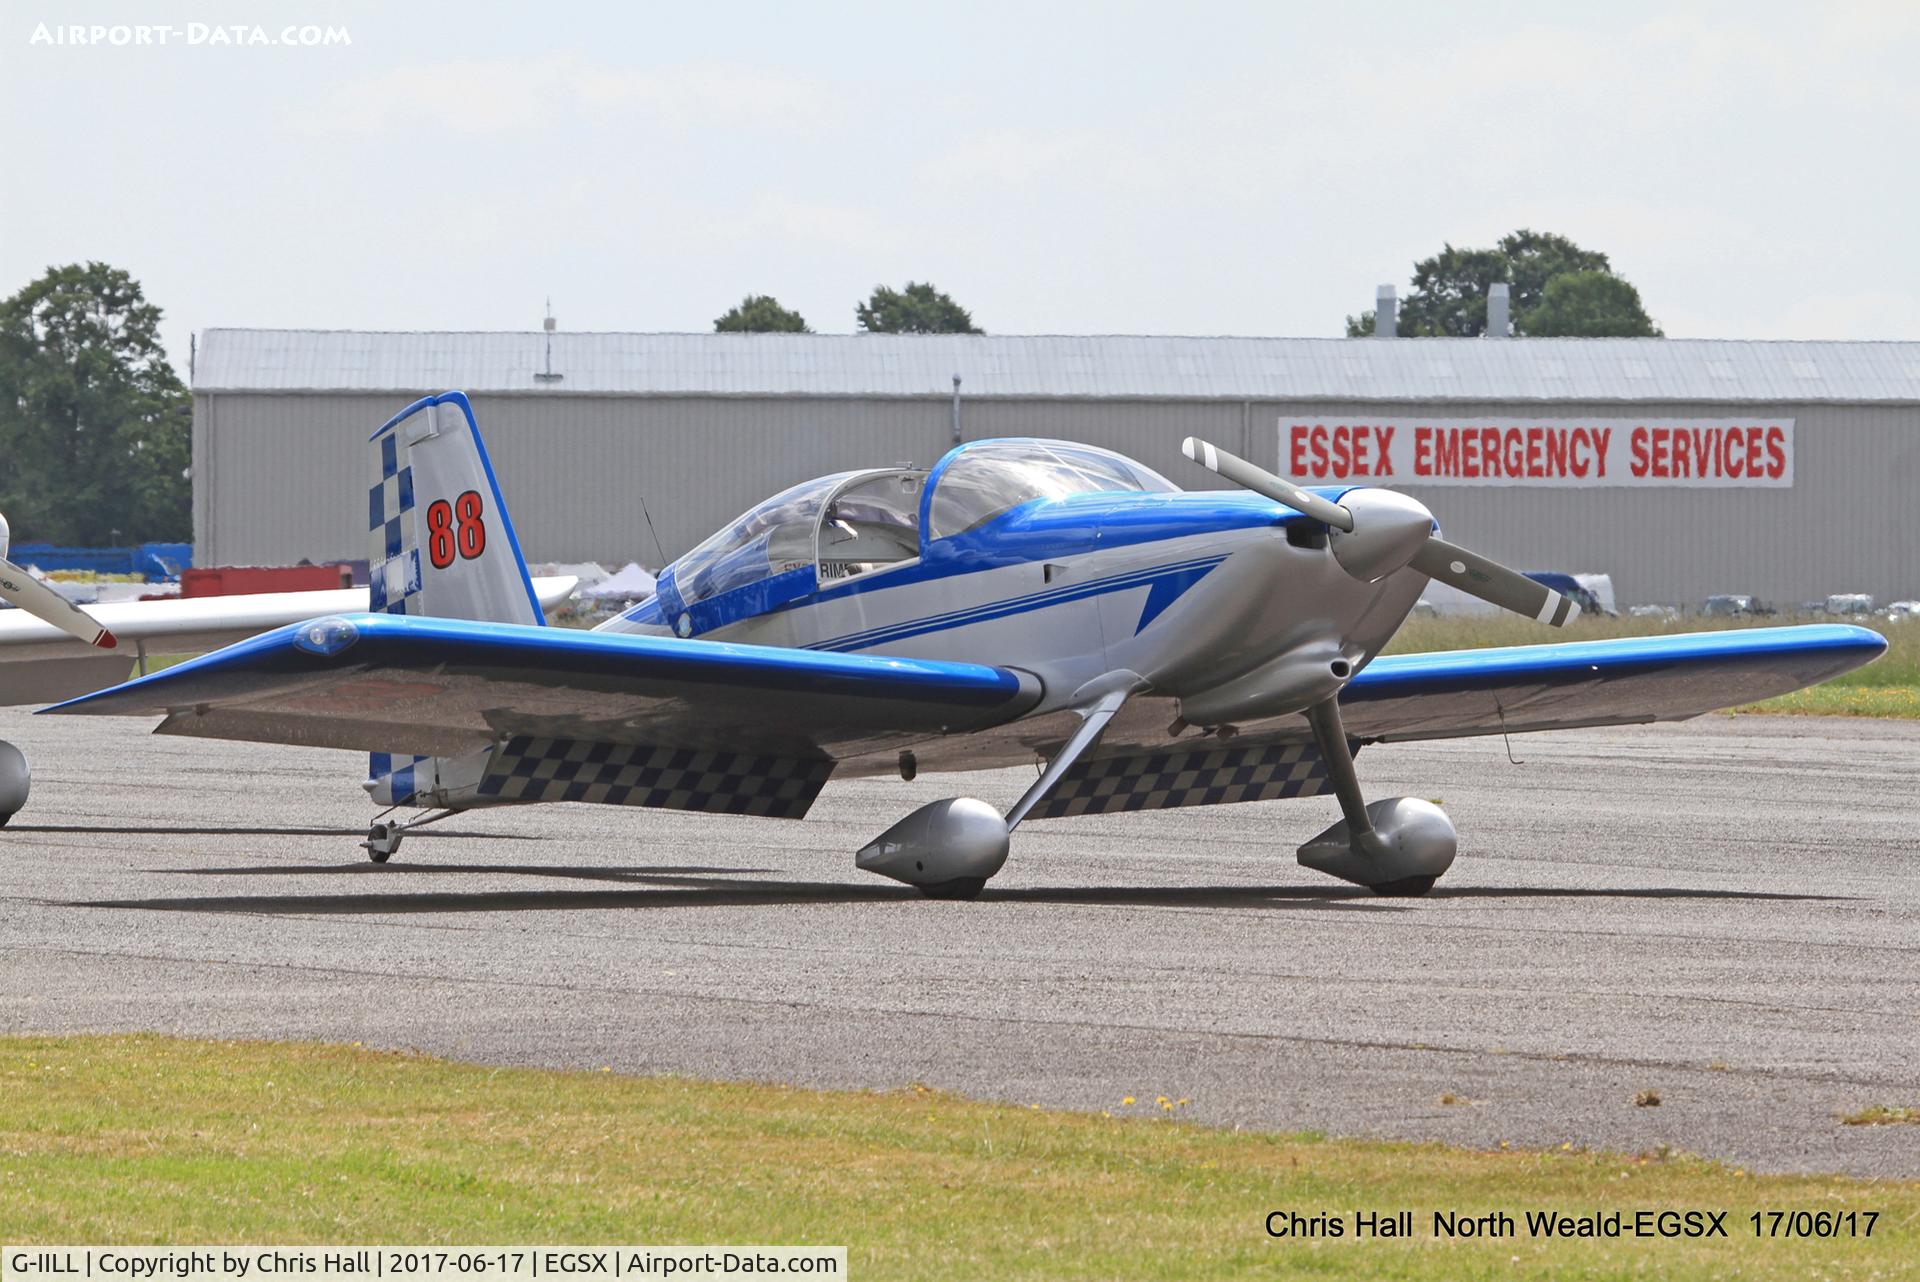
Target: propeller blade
{"x":1261,"y":481}
{"x":37,"y":599}
{"x":1493,"y":582}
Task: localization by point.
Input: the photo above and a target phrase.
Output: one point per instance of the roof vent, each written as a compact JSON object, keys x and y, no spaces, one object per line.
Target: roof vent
{"x":1499,"y":311}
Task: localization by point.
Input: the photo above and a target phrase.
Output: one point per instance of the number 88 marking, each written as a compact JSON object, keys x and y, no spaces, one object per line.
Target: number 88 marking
{"x":444,"y":538}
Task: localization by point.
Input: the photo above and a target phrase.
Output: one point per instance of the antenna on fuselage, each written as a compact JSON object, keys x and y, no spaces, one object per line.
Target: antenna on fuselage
{"x":956,"y":409}
{"x":657,"y":549}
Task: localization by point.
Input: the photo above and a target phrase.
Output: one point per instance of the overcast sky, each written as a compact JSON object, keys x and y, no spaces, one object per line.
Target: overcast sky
{"x":1059,"y":168}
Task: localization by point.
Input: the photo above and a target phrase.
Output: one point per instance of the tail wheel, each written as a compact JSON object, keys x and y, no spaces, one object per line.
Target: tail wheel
{"x":382,"y":840}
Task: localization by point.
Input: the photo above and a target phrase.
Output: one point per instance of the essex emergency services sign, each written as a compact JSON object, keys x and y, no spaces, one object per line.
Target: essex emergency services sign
{"x":1590,"y":452}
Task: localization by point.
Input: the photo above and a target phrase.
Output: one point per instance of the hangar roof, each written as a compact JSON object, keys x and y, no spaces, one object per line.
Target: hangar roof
{"x":1061,"y":366}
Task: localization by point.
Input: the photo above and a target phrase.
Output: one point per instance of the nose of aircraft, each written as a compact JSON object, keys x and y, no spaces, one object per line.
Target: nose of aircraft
{"x":1388,"y":528}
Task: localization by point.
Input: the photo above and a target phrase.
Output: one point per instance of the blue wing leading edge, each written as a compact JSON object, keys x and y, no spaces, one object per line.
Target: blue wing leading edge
{"x":402,"y":684}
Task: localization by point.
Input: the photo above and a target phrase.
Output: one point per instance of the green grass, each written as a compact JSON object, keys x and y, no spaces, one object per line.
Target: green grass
{"x":1883,"y":1115}
{"x":1887,"y":687}
{"x":150,"y":1139}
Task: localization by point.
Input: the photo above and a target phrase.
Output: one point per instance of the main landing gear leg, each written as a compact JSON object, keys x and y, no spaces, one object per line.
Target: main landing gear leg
{"x":1399,"y":846}
{"x":949,"y":848}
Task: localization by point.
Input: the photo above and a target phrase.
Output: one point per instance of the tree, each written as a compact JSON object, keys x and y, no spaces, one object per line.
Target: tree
{"x":95,"y":426}
{"x":917,"y":309}
{"x":1536,"y":258}
{"x":1449,"y":295}
{"x":1590,"y":305}
{"x":1449,"y":292}
{"x":760,"y":314}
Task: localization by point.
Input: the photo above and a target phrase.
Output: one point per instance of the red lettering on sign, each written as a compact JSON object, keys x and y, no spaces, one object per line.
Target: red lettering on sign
{"x":1687,"y":452}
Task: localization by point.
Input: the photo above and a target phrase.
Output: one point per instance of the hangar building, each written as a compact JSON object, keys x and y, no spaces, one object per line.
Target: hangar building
{"x":1682,"y":467}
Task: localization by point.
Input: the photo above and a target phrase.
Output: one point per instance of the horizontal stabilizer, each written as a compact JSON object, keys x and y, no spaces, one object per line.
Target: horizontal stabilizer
{"x":726,"y":783}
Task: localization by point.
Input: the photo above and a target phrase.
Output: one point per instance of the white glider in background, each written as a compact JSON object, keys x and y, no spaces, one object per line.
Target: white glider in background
{"x":51,"y":649}
{"x":41,"y":601}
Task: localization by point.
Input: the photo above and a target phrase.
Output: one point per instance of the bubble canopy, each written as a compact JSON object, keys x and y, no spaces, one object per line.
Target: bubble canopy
{"x":978,"y":481}
{"x":770,"y":538}
{"x":853,"y":523}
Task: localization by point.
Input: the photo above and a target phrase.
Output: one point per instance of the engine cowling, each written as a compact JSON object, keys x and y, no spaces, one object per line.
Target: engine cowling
{"x":1303,"y":676}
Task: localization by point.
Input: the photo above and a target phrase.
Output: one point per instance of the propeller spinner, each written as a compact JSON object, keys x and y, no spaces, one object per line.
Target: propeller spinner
{"x":1376,"y":532}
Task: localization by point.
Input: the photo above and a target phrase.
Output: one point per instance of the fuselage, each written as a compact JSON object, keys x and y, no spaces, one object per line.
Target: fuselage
{"x":1192,"y":591}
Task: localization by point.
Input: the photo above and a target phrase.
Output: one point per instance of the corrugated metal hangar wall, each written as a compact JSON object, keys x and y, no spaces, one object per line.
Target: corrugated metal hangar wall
{"x":281,"y":421}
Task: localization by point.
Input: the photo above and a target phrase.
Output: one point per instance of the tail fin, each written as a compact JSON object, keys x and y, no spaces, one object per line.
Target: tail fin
{"x":442,"y":542}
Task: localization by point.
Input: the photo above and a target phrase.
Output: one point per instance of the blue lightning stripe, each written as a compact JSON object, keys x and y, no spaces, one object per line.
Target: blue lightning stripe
{"x":1152,"y":575}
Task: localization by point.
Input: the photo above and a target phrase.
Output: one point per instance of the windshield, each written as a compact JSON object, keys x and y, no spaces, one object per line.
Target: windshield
{"x":766,"y":540}
{"x":985,"y":478}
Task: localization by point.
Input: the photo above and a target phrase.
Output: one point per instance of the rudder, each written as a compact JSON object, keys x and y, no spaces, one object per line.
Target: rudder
{"x":442,"y":543}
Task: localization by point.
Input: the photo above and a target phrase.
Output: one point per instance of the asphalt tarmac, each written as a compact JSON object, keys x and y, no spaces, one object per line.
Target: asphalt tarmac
{"x":1725,"y":913}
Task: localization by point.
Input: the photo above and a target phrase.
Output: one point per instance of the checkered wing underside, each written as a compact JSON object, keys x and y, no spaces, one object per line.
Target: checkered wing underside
{"x":1189,"y":777}
{"x":529,"y":769}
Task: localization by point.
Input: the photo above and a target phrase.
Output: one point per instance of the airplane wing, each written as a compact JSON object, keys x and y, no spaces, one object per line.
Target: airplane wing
{"x":408,"y":684}
{"x":42,"y":663}
{"x":1457,"y":694}
{"x":1625,"y":681}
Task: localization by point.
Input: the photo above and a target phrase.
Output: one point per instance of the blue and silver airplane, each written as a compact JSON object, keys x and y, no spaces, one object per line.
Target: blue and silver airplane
{"x":1020,"y":602}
